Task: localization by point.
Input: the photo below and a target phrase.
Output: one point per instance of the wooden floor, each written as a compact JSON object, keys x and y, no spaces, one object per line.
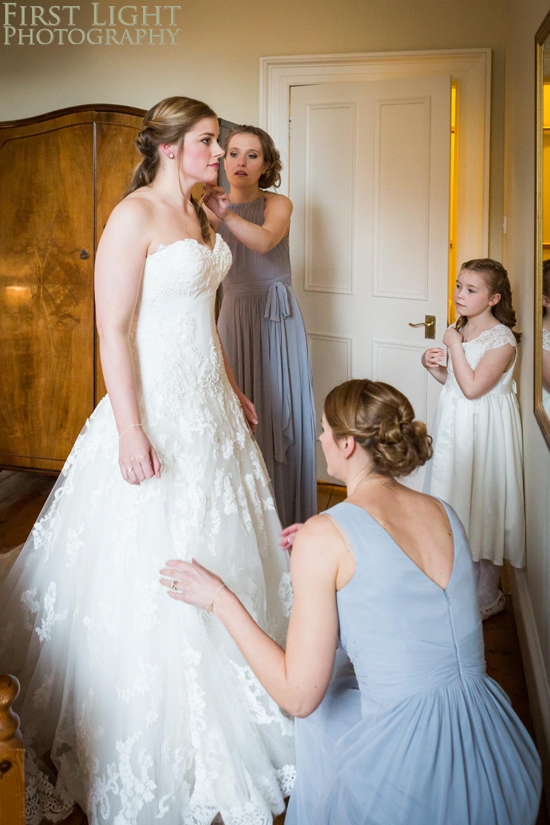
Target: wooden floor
{"x":22,"y":496}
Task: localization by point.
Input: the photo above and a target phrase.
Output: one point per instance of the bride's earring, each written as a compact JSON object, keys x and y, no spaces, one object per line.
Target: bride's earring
{"x":171,"y":155}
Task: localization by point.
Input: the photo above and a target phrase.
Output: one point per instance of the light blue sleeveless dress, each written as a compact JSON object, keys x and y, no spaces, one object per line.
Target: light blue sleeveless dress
{"x":422,"y":736}
{"x":263,"y":334}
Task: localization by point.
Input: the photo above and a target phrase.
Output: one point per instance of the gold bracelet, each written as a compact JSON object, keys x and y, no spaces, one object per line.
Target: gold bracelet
{"x":210,"y":607}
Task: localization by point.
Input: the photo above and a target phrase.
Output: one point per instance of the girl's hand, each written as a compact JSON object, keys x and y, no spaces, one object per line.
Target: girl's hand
{"x":432,"y":357}
{"x":194,"y":583}
{"x":452,"y":337}
{"x":249,"y":410}
{"x":217,"y":201}
{"x":137,"y":457}
{"x":288,"y":535}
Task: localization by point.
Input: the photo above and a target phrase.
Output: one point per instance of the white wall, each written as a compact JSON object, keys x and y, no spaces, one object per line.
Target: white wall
{"x":532,"y":587}
{"x":219,"y":46}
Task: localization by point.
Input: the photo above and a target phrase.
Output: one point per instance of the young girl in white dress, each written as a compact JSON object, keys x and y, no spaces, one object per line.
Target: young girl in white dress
{"x":477,"y":461}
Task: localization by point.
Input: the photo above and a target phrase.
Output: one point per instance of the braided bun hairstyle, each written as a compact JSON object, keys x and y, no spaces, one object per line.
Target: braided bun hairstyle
{"x":168,"y":122}
{"x":381,"y":420}
{"x":272,"y":174}
{"x":498,"y":283}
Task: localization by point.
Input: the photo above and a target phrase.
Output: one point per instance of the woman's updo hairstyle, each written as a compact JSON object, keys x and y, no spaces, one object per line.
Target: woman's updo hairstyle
{"x":381,"y":420}
{"x":168,"y":122}
{"x":272,"y":175}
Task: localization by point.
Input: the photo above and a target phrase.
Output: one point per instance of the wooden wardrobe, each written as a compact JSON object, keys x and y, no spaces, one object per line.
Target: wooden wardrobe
{"x":61,"y":174}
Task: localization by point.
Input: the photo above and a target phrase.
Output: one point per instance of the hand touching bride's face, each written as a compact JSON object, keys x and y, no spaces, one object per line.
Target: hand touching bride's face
{"x":200,"y":161}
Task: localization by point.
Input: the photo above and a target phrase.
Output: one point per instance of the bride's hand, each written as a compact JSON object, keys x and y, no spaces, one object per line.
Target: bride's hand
{"x":190,"y":583}
{"x":217,"y":201}
{"x":249,"y":410}
{"x":137,"y":457}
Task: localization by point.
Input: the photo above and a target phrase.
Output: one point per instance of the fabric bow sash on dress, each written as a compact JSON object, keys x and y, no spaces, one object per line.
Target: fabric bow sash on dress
{"x":276,"y":358}
{"x":276,"y":305}
{"x":277,"y":308}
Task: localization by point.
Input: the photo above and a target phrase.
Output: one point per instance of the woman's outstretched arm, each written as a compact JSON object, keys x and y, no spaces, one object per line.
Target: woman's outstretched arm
{"x":278,"y":209}
{"x":297,"y":678}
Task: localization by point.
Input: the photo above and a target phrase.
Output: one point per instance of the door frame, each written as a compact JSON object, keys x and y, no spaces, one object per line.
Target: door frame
{"x":471,"y":68}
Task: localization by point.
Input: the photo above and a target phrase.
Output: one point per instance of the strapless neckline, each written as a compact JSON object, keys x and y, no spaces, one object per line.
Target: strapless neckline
{"x":162,"y":247}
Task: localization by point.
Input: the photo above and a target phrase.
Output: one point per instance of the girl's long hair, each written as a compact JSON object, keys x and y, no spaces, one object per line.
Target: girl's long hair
{"x":496,"y":278}
{"x":168,"y":122}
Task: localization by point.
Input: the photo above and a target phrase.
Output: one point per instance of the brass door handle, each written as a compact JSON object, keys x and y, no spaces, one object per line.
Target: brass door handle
{"x":428,"y":324}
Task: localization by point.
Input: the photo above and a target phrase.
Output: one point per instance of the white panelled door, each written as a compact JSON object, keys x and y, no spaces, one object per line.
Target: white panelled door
{"x":369,"y":178}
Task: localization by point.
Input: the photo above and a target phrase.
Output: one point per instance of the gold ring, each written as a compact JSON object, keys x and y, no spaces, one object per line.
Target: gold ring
{"x":174,"y":584}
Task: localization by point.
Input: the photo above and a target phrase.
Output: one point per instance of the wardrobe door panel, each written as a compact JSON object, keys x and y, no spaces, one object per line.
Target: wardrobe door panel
{"x":46,"y":290}
{"x":116,"y":158}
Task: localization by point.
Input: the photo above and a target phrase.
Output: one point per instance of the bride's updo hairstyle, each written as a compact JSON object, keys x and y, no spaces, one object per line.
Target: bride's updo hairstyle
{"x":168,"y":122}
{"x":381,"y":420}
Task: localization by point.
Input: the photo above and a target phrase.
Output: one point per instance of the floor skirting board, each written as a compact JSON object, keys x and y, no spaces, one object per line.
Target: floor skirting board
{"x":535,"y":671}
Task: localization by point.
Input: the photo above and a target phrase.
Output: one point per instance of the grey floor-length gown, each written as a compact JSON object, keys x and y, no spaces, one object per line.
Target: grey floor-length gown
{"x":422,"y":736}
{"x":263,"y":334}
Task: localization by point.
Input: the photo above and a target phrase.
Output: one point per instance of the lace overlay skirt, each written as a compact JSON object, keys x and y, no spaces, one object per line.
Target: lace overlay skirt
{"x":147,"y":706}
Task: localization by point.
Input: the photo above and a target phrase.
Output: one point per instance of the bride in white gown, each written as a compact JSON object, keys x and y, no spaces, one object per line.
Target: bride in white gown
{"x":150,"y":712}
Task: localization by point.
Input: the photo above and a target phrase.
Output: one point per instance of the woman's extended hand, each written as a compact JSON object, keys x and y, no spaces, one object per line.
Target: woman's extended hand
{"x":432,"y":357}
{"x":137,"y":457}
{"x":216,"y":199}
{"x":288,"y":535}
{"x":249,"y":410}
{"x":194,"y":583}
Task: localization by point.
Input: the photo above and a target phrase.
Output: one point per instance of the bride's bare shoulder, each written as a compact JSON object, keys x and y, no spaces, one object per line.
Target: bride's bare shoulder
{"x":136,"y":210}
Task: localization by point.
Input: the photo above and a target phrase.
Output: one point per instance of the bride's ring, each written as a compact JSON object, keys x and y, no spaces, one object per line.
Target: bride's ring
{"x":130,"y":469}
{"x":174,"y":585}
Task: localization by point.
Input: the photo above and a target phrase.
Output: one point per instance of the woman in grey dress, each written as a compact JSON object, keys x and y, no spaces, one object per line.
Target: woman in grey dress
{"x":260,"y":322}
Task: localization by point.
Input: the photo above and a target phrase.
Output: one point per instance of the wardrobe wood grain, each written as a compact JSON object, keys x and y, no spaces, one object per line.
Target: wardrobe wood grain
{"x":61,"y":176}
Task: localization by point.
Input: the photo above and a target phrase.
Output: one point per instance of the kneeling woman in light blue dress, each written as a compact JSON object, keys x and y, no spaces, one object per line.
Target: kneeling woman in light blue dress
{"x":422,"y":735}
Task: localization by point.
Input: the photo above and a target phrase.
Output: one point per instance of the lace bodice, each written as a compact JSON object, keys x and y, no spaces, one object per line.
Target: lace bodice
{"x":493,"y":338}
{"x":175,"y":342}
{"x":546,"y":340}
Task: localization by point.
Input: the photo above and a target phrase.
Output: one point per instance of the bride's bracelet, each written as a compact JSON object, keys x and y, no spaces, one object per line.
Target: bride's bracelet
{"x":210,"y":607}
{"x":129,"y":428}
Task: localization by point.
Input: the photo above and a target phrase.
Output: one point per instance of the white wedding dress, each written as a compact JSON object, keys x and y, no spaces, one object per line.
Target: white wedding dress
{"x":149,"y":710}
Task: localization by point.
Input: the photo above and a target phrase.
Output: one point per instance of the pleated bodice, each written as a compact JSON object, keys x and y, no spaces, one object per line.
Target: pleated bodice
{"x":251,"y":269}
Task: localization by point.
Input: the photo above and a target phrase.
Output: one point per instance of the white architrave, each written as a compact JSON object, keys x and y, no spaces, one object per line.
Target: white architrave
{"x":471,"y":68}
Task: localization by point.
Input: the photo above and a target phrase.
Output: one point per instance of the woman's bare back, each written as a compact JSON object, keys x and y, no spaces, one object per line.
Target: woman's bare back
{"x":417,"y":523}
